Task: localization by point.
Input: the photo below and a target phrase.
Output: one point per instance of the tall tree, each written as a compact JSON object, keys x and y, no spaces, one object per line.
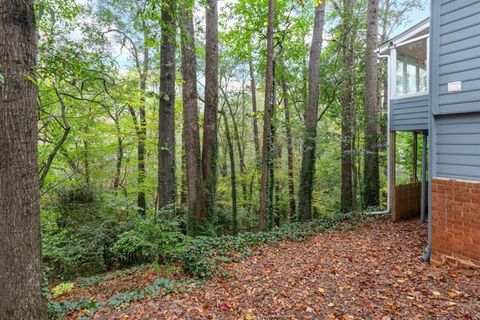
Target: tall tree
{"x":253,"y":89}
{"x":166,"y":123}
{"x":20,"y":259}
{"x":371,"y":192}
{"x":267,"y":123}
{"x":233,"y":176}
{"x":142,"y":125}
{"x":347,"y":145}
{"x":288,"y":129}
{"x":210,"y":126}
{"x":307,"y":171}
{"x":191,"y":131}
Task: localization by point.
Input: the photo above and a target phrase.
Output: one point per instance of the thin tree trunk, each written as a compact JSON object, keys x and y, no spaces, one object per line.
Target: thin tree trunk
{"x":140,"y":162}
{"x":119,"y":160}
{"x":140,"y":124}
{"x":142,"y":138}
{"x":191,"y":131}
{"x":183,"y":173}
{"x":233,"y":178}
{"x":66,"y":130}
{"x":241,"y":156}
{"x":271,"y":158}
{"x":210,"y":128}
{"x":20,"y":258}
{"x":86,"y":160}
{"x":253,"y":88}
{"x":307,"y":171}
{"x":288,"y":129}
{"x":278,"y":186}
{"x":166,"y":123}
{"x":371,"y":192}
{"x":267,"y":122}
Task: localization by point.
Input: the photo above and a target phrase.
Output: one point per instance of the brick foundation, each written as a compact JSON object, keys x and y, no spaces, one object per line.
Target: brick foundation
{"x":455,"y":222}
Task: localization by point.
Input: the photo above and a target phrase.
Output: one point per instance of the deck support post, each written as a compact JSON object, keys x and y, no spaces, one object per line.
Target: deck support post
{"x":393,"y":172}
{"x":424,"y":177}
{"x":415,"y":157}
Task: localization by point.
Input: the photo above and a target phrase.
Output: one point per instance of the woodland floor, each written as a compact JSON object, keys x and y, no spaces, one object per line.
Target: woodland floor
{"x":373,"y":272}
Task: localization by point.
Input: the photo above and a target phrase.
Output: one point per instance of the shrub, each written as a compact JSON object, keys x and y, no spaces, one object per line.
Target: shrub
{"x":149,"y":241}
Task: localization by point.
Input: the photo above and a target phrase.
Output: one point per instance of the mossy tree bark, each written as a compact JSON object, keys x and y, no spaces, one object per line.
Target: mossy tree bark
{"x":348,"y":118}
{"x":191,"y":131}
{"x":307,"y":171}
{"x":210,"y":127}
{"x":20,"y":258}
{"x":371,"y":192}
{"x":267,"y":123}
{"x":166,"y":123}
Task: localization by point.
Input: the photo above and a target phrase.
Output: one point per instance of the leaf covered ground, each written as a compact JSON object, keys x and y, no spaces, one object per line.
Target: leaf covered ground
{"x":373,"y":272}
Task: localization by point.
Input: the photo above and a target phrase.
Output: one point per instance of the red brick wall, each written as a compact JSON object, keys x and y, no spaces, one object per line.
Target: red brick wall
{"x":455,"y":222}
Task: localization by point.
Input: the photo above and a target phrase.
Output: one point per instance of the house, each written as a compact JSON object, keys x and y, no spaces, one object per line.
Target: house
{"x":434,"y":91}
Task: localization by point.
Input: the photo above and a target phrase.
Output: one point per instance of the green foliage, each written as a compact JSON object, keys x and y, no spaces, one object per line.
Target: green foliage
{"x":59,"y":310}
{"x":62,"y":288}
{"x":149,"y":240}
{"x":128,"y":297}
{"x":86,"y":233}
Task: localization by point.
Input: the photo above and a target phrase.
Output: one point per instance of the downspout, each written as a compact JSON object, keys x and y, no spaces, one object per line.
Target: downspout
{"x":387,"y":211}
{"x":427,"y":252}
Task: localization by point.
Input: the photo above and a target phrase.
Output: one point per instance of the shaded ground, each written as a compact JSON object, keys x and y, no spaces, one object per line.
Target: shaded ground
{"x":374,"y":272}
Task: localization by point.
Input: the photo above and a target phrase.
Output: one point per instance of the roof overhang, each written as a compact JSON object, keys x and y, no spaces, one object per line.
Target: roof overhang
{"x":404,"y":36}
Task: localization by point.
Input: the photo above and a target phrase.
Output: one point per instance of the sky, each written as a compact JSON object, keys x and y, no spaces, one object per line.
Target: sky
{"x":412,"y":18}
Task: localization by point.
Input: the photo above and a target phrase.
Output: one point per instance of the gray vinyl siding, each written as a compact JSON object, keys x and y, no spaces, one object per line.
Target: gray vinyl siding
{"x":409,"y":114}
{"x":455,"y":117}
{"x":457,"y":146}
{"x":455,"y":54}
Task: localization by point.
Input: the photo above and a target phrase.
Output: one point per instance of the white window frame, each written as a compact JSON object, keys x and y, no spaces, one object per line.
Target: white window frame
{"x":393,"y":67}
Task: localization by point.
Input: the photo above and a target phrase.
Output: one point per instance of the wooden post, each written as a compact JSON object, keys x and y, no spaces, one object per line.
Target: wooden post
{"x":423,"y":197}
{"x":415,"y":157}
{"x":393,"y":175}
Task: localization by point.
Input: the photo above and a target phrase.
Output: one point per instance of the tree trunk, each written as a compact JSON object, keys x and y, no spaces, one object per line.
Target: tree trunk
{"x":267,"y":122}
{"x":233,"y":178}
{"x":371,"y":192}
{"x":20,"y":258}
{"x":196,"y":212}
{"x":278,"y":183}
{"x":347,"y":168}
{"x":288,"y":129}
{"x":118,"y":165}
{"x":166,"y":123}
{"x":183,"y":174}
{"x":86,"y":160}
{"x":66,"y":130}
{"x":307,"y":171}
{"x":271,"y":159}
{"x":236,"y":134}
{"x":142,"y":137}
{"x":210,"y":127}
{"x":140,"y":124}
{"x":253,"y":88}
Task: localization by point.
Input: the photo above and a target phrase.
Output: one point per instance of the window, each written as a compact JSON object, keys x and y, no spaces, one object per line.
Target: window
{"x":411,"y":65}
